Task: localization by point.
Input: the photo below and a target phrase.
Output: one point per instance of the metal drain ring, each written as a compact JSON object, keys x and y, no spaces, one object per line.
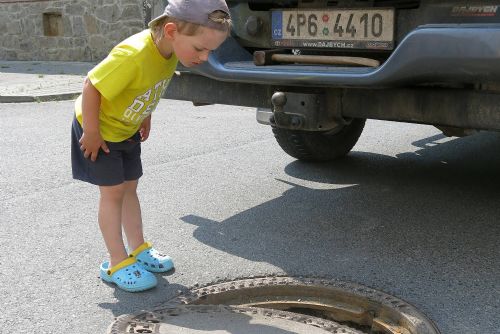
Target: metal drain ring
{"x":352,"y":304}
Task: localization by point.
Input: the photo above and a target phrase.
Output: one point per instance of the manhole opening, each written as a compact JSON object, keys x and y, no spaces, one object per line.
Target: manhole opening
{"x":327,"y":316}
{"x":334,"y":306}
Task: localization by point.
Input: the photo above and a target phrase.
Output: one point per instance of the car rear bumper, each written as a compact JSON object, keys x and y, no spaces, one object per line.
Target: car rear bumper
{"x":429,"y":54}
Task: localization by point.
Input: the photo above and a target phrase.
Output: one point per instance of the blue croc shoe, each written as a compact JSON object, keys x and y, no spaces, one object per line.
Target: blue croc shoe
{"x":127,"y":275}
{"x":151,"y":260}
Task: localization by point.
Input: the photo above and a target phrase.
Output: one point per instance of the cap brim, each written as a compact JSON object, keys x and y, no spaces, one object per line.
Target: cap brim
{"x":153,"y":21}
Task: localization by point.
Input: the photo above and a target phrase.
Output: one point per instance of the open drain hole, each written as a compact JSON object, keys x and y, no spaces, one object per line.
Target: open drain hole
{"x":327,"y":316}
{"x":328,"y":305}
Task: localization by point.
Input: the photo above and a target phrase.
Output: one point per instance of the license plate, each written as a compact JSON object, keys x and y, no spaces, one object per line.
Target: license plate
{"x":334,"y":28}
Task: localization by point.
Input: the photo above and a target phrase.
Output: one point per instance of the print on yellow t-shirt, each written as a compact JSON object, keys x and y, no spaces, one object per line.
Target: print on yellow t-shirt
{"x":143,"y":106}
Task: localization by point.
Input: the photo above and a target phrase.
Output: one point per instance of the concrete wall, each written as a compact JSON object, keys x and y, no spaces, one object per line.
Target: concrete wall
{"x":83,"y":30}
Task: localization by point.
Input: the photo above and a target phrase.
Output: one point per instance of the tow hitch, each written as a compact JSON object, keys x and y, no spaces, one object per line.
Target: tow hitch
{"x":306,"y":111}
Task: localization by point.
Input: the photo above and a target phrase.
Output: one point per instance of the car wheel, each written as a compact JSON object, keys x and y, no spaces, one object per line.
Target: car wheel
{"x":322,"y":145}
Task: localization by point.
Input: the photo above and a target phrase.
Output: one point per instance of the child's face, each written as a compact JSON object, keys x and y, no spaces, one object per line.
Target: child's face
{"x":194,"y":50}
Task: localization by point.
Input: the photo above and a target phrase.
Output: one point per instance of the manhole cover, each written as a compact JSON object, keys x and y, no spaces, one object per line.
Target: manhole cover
{"x":318,"y":304}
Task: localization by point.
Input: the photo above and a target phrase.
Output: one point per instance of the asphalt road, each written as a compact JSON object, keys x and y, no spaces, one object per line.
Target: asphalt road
{"x":409,"y":212}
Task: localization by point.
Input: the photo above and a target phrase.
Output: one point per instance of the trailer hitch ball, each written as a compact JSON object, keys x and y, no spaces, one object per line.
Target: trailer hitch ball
{"x":287,"y":120}
{"x":278,"y":100}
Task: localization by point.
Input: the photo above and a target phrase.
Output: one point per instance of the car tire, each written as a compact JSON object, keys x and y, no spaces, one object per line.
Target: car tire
{"x":318,"y":146}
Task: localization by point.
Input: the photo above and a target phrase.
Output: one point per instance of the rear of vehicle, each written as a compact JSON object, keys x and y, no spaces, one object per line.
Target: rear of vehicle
{"x":317,"y":69}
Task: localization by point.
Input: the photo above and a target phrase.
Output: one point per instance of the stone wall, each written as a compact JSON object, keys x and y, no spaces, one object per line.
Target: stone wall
{"x":83,"y":30}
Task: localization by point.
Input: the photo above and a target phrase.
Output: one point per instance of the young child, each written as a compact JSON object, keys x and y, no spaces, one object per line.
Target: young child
{"x":113,"y":117}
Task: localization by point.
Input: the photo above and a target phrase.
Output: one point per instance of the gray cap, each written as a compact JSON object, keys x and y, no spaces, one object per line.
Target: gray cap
{"x":195,"y":11}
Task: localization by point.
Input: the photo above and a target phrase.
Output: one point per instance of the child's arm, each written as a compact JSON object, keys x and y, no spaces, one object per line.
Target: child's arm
{"x":145,"y":128}
{"x":91,"y":140}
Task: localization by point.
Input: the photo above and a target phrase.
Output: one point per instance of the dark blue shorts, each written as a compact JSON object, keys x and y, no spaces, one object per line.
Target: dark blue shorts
{"x":122,"y":163}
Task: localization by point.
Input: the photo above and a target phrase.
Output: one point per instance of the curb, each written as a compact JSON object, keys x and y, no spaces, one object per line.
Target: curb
{"x":40,"y":98}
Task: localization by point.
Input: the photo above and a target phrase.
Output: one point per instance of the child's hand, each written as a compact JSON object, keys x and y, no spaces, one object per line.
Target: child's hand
{"x":145,"y":128}
{"x":90,"y":143}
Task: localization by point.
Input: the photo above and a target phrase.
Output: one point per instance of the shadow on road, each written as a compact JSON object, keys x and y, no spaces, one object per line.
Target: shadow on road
{"x":442,"y":193}
{"x":131,"y":302}
{"x":421,"y":224}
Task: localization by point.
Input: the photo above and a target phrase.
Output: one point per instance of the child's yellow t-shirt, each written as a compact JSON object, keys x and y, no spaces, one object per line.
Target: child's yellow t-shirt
{"x":131,"y":81}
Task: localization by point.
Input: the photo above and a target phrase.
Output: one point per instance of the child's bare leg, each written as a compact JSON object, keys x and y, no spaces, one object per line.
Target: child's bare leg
{"x":131,"y":216}
{"x":110,"y":216}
